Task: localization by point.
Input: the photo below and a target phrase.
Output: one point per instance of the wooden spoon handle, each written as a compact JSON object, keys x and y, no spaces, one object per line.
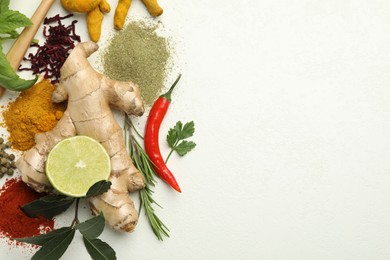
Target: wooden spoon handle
{"x":20,"y":46}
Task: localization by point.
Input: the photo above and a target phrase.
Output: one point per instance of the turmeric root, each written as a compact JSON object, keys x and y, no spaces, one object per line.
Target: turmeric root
{"x":123,"y":8}
{"x":90,"y":95}
{"x":94,"y":9}
{"x":153,"y":7}
{"x":94,"y":22}
{"x":120,"y":13}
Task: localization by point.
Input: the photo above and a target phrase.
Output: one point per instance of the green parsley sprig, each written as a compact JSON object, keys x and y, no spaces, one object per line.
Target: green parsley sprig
{"x":176,"y":138}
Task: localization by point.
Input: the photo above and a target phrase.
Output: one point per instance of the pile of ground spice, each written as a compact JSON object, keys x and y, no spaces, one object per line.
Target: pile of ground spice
{"x":139,"y":54}
{"x":14,"y":223}
{"x":32,"y":112}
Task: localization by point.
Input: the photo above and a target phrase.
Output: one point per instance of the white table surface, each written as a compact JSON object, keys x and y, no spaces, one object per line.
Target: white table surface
{"x":291,"y":101}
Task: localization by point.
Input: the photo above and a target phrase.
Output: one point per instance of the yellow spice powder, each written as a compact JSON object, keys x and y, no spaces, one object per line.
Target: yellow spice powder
{"x":32,"y":112}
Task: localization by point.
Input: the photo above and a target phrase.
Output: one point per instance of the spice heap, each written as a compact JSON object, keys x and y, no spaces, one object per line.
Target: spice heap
{"x":13,"y":222}
{"x":139,"y":54}
{"x":32,"y":112}
{"x":7,"y":161}
{"x":50,"y":57}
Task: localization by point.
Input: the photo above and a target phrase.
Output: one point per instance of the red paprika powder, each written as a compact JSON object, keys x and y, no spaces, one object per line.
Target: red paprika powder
{"x":13,"y":222}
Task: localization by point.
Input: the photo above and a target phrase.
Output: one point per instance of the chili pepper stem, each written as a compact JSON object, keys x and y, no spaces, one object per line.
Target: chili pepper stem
{"x":168,"y":94}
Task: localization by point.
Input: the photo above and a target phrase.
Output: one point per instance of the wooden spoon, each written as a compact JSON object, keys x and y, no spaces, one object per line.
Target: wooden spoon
{"x":20,"y":46}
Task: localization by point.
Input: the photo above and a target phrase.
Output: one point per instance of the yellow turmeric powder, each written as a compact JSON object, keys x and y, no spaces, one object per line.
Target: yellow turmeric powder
{"x":32,"y":112}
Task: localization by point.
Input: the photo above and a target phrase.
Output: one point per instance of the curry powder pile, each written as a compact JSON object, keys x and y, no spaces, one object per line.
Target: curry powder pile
{"x":137,"y":53}
{"x":32,"y":112}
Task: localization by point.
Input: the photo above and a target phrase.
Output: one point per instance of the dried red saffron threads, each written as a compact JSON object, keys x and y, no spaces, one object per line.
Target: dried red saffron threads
{"x":50,"y":57}
{"x":13,"y":222}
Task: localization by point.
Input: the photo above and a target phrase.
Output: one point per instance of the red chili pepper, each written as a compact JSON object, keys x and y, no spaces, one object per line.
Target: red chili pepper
{"x":152,"y":148}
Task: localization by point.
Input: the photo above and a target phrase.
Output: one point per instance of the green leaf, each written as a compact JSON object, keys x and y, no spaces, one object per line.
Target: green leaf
{"x":98,"y":249}
{"x":93,"y":227}
{"x":11,"y":20}
{"x":178,"y":127}
{"x":42,"y":239}
{"x":8,"y":77}
{"x":184,"y":147}
{"x":187,"y":131}
{"x":48,"y":206}
{"x":98,"y":188}
{"x":172,"y":137}
{"x":56,"y":247}
{"x":4,"y":6}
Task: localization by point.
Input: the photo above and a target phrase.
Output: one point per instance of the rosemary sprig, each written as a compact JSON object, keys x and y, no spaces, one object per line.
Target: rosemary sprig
{"x":145,"y":166}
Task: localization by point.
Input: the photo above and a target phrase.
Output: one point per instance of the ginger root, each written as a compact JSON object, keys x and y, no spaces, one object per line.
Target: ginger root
{"x":94,"y":9}
{"x":90,"y":95}
{"x":123,"y":8}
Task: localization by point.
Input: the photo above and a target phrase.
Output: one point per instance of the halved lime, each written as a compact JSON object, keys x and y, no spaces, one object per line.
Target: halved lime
{"x":75,"y":164}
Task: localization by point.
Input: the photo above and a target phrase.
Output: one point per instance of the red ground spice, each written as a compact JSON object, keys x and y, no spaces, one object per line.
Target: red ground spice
{"x":13,"y":222}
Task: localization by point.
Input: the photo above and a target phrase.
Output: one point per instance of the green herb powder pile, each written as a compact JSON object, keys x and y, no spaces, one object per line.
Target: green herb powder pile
{"x":137,"y":53}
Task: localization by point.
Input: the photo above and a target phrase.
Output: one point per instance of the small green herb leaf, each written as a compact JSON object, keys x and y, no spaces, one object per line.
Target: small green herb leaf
{"x":4,"y":6}
{"x":179,"y":133}
{"x":56,"y":247}
{"x":8,"y":77}
{"x":184,"y":147}
{"x":98,"y":188}
{"x":178,"y":127}
{"x":172,"y":137}
{"x":98,"y":249}
{"x":48,"y":206}
{"x":42,"y":239}
{"x":11,"y":20}
{"x":187,"y":131}
{"x":93,"y":227}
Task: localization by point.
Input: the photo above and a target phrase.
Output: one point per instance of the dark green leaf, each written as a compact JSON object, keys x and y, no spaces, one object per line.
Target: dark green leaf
{"x":171,"y":137}
{"x":98,"y":188}
{"x":42,"y":239}
{"x":11,"y":20}
{"x":4,"y":5}
{"x":93,"y":227}
{"x":56,"y":247}
{"x":187,"y":131}
{"x":178,"y":127}
{"x":184,"y":147}
{"x":9,"y":79}
{"x":48,"y":206}
{"x":98,"y":249}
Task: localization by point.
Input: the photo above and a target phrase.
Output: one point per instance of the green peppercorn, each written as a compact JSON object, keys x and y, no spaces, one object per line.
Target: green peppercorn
{"x":1,"y":140}
{"x":13,"y":165}
{"x":3,"y":161}
{"x":8,"y":144}
{"x":3,"y":146}
{"x":10,"y":171}
{"x":3,"y":170}
{"x":11,"y":156}
{"x":5,"y":155}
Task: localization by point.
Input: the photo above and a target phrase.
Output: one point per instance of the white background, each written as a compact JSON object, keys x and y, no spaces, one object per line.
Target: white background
{"x":291,"y":105}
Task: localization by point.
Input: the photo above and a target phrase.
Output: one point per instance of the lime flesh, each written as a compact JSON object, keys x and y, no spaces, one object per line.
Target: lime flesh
{"x":75,"y":164}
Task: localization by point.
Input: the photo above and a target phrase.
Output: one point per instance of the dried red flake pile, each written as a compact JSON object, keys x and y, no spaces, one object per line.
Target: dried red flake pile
{"x":50,"y":57}
{"x":14,"y":223}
